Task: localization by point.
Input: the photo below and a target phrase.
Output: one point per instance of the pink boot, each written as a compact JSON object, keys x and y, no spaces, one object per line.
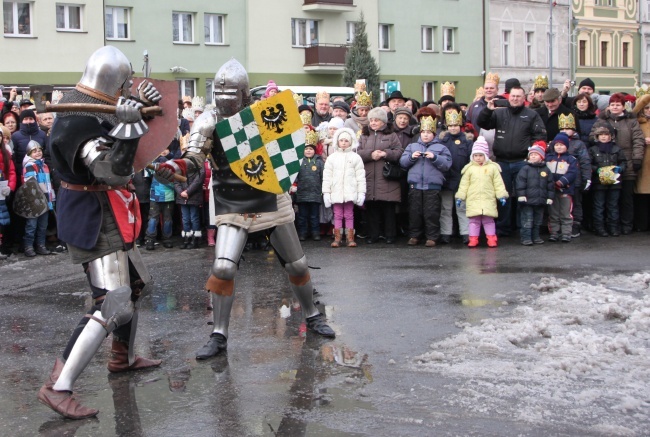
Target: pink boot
{"x":211,"y":234}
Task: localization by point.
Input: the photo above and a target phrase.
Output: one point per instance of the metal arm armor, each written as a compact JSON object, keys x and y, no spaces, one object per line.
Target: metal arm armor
{"x":111,"y":163}
{"x":201,"y":133}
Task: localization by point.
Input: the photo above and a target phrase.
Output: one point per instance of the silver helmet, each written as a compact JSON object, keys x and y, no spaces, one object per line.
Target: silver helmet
{"x":231,"y":92}
{"x":31,"y":146}
{"x":107,"y":75}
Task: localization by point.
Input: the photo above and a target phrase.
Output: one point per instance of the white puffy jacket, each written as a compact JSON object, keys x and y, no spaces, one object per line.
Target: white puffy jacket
{"x":344,"y":176}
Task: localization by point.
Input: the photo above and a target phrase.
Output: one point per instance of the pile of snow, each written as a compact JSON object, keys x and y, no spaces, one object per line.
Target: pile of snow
{"x":578,"y":355}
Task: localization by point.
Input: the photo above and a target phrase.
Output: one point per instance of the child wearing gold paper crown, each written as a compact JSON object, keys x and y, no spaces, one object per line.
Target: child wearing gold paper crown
{"x":480,"y":187}
{"x":426,"y":161}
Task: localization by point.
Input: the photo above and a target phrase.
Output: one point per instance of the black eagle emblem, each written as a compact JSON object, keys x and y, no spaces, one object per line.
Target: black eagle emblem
{"x":255,"y":170}
{"x":274,"y":119}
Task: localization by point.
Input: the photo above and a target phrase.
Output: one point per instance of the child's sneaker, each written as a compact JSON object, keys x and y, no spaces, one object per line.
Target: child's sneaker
{"x":527,"y":242}
{"x":566,"y":238}
{"x":538,"y":241}
{"x":554,"y":238}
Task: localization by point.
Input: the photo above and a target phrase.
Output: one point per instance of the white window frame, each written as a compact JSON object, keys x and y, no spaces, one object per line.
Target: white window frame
{"x":384,"y":36}
{"x":118,"y":12}
{"x":209,"y":91}
{"x":301,"y":32}
{"x":506,"y":52}
{"x":15,"y":25}
{"x":428,"y":90}
{"x":448,"y":32}
{"x":351,"y":30}
{"x":186,"y":87}
{"x":428,"y":39}
{"x":214,"y":29}
{"x":647,"y":57}
{"x":529,"y":53}
{"x":66,"y":17}
{"x":177,"y":20}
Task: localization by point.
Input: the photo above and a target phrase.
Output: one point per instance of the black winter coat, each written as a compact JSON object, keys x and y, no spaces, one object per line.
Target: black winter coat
{"x":516,"y":130}
{"x":535,"y":182}
{"x":461,"y":149}
{"x":194,"y":187}
{"x":602,"y":159}
{"x":310,"y":180}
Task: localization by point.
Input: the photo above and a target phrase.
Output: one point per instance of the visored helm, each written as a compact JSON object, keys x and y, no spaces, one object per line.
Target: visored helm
{"x":107,"y":75}
{"x":231,"y":92}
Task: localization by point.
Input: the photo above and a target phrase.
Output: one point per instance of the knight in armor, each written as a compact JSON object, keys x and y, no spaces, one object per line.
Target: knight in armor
{"x":99,"y":219}
{"x":240,"y":210}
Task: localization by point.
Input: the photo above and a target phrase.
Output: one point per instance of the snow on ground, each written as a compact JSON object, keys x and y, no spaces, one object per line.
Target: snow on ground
{"x":579,"y":354}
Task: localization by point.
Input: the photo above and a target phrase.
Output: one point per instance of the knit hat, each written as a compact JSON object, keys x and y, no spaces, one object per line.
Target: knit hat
{"x":345,"y":132}
{"x":587,"y":82}
{"x":403,"y":110}
{"x":341,"y":105}
{"x":538,"y":147}
{"x":481,"y":146}
{"x":270,"y":86}
{"x":561,"y":138}
{"x":379,"y":114}
{"x":311,"y":146}
{"x":510,"y":83}
{"x":5,"y":132}
{"x":336,"y":122}
{"x":27,"y":113}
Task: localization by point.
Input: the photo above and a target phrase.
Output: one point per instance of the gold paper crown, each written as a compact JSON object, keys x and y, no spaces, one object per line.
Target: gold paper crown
{"x":198,"y":103}
{"x":480,"y":92}
{"x":427,"y":123}
{"x":305,"y":117}
{"x":364,"y":99}
{"x":322,"y":95}
{"x":492,"y":77}
{"x":453,"y":118}
{"x":298,"y":98}
{"x":541,"y":82}
{"x":360,"y":85}
{"x":448,"y":89}
{"x":567,"y":121}
{"x":187,"y":99}
{"x":311,"y":138}
{"x":642,"y":90}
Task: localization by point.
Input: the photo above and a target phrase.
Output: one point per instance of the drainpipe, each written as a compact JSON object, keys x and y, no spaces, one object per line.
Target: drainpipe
{"x":550,"y":48}
{"x":484,"y":40}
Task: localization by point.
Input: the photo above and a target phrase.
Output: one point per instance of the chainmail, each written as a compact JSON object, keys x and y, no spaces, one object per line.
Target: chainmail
{"x":74,"y":96}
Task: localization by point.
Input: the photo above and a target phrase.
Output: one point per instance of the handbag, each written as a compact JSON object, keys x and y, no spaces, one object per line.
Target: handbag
{"x":392,"y":171}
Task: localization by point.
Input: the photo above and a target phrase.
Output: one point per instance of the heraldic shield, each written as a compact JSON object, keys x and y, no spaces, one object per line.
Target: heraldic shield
{"x":265,"y":143}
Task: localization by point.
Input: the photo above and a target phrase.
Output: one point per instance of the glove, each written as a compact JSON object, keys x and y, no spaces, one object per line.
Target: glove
{"x":165,"y":171}
{"x":148,"y":94}
{"x":128,"y":111}
{"x":616,"y":169}
{"x":522,"y":199}
{"x":502,"y":201}
{"x":327,"y":199}
{"x":636,"y":164}
{"x":361,"y":197}
{"x":587,"y":185}
{"x":559,"y":184}
{"x":458,"y":203}
{"x":549,"y":201}
{"x":5,"y":191}
{"x":293,"y":189}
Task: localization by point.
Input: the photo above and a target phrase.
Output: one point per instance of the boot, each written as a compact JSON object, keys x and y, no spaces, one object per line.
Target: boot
{"x":491,"y":240}
{"x":196,"y":239}
{"x":186,"y":240}
{"x":337,"y":238}
{"x":120,"y":359}
{"x":42,"y":250}
{"x":62,"y":401}
{"x":211,"y":237}
{"x":473,"y":242}
{"x":150,"y":244}
{"x":217,"y":344}
{"x":318,"y":325}
{"x":29,"y":251}
{"x":350,"y":237}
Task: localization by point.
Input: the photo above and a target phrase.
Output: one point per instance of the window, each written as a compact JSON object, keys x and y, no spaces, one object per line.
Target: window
{"x":17,"y":18}
{"x":304,"y":32}
{"x":183,"y":23}
{"x":505,"y":47}
{"x":68,"y":17}
{"x":582,"y":53}
{"x":428,"y":38}
{"x":528,"y":55}
{"x":604,"y":2}
{"x":647,"y":59}
{"x":626,"y":53}
{"x":604,"y":46}
{"x":117,"y":23}
{"x":384,"y":36}
{"x":213,"y":25}
{"x":448,"y":39}
{"x":428,"y":92}
{"x":351,"y":30}
{"x":209,"y":91}
{"x":186,"y":87}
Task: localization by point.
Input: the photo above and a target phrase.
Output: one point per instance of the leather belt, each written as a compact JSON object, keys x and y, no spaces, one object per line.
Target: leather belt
{"x":75,"y":187}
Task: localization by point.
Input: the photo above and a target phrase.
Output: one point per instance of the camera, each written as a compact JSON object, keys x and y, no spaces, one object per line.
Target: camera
{"x":573,"y":83}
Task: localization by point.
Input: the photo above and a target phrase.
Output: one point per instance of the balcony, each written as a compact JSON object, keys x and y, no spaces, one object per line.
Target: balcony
{"x":328,"y":5}
{"x":325,"y":58}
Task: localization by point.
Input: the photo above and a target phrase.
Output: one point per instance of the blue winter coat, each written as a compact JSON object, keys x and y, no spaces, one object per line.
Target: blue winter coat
{"x":425,"y":173}
{"x":461,"y":149}
{"x":564,"y":168}
{"x":22,"y":137}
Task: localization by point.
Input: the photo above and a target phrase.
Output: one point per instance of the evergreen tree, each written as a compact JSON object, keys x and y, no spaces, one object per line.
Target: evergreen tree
{"x":359,"y":63}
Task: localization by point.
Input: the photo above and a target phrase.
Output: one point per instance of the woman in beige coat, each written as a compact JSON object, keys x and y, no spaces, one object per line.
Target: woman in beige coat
{"x":642,"y":207}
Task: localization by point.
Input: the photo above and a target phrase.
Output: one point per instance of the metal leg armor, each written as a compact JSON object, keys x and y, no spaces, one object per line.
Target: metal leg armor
{"x":285,"y":241}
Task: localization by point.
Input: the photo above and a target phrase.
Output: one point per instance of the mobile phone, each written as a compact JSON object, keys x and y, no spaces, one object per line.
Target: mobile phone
{"x":501,"y":103}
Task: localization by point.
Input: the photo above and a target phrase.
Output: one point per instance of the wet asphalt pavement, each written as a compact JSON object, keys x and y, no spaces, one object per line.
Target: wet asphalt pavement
{"x":387,"y":304}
